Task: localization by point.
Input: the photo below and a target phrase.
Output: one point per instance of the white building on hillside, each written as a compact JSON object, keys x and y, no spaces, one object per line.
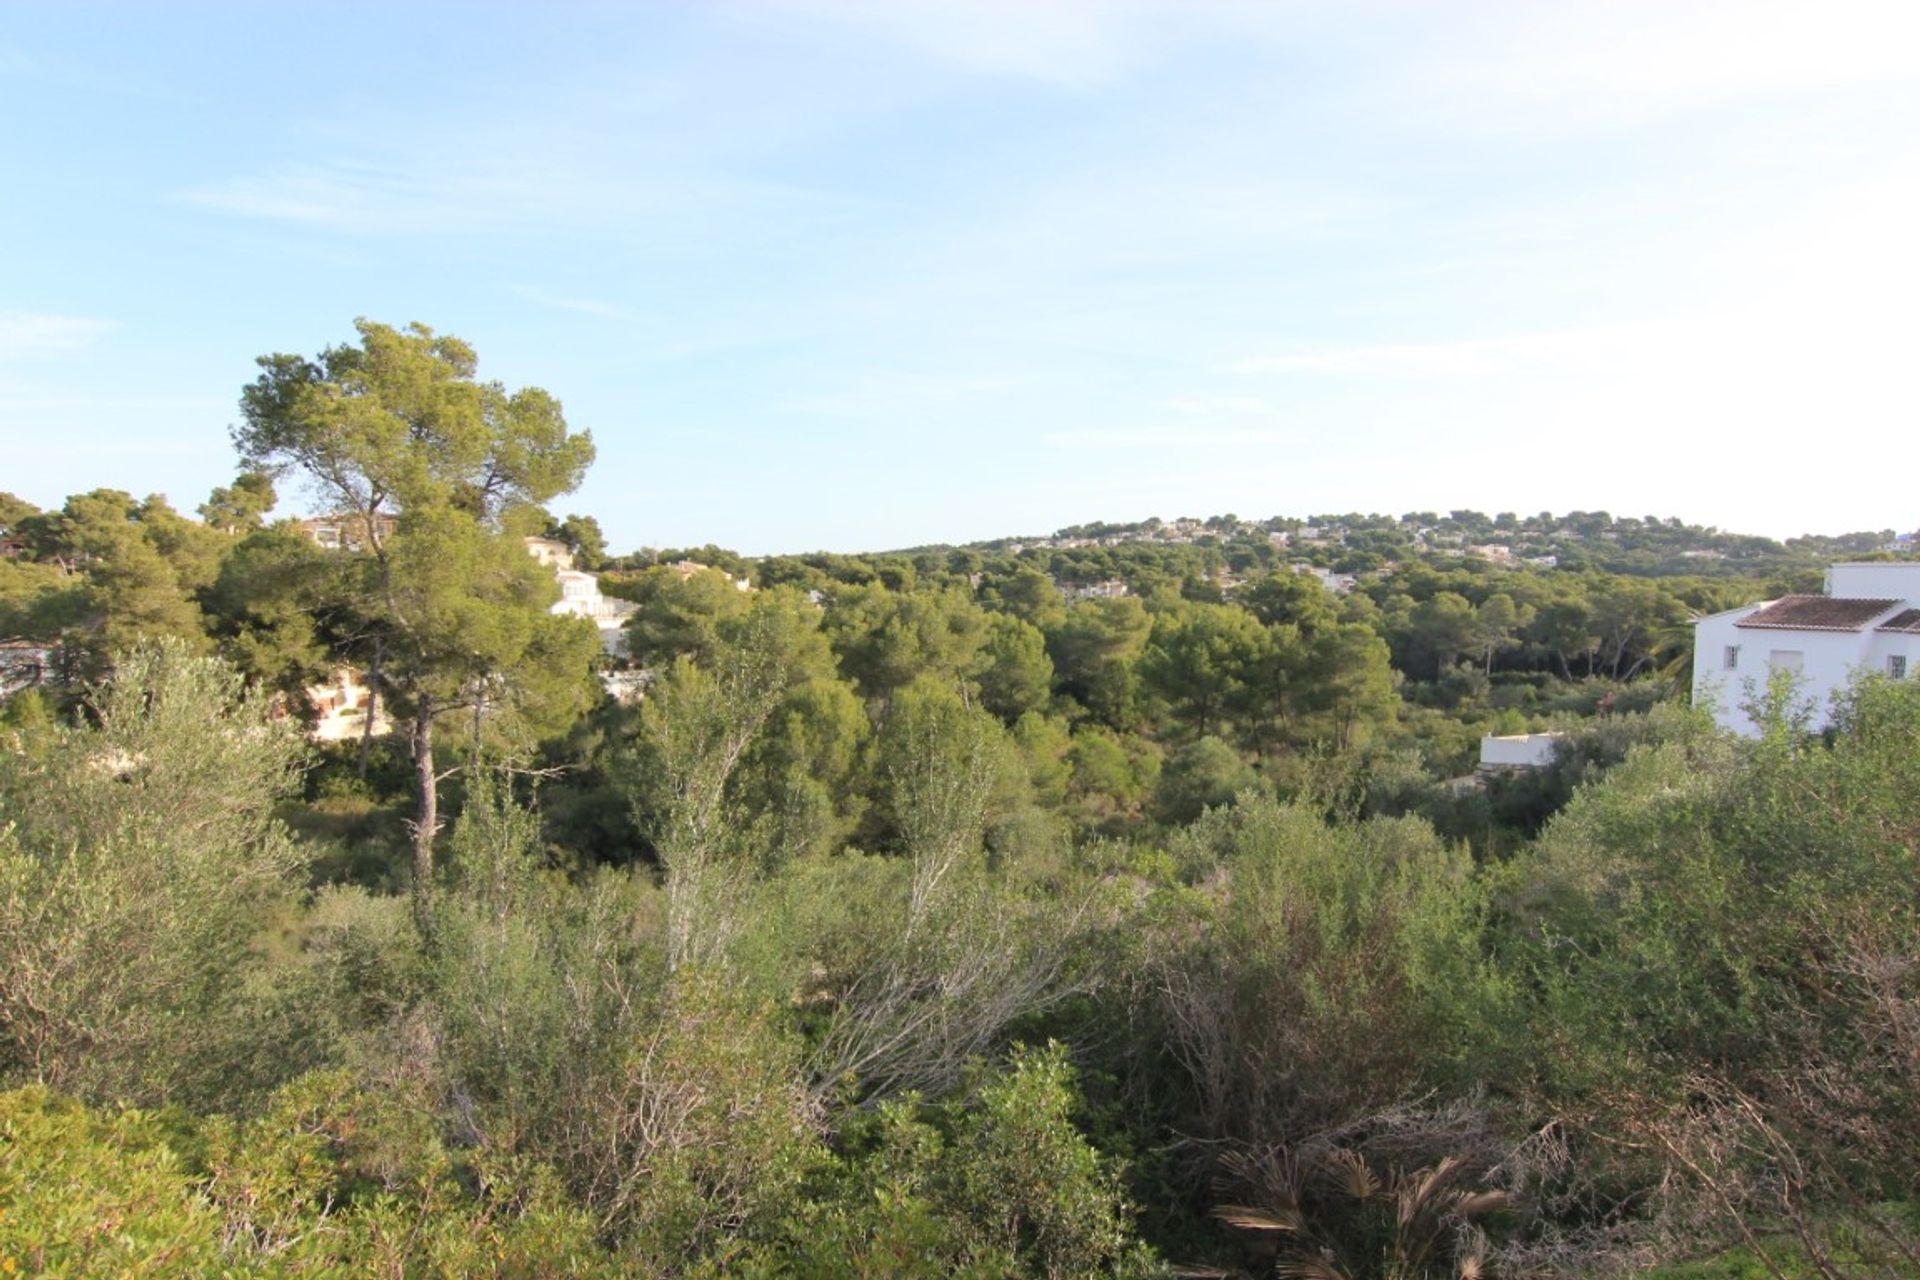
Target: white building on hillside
{"x":550,"y":552}
{"x":1506,"y":752}
{"x":1868,"y":621}
{"x":580,"y":596}
{"x":340,"y":708}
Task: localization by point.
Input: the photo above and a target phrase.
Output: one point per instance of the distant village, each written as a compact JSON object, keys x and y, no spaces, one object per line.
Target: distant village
{"x":1336,"y":551}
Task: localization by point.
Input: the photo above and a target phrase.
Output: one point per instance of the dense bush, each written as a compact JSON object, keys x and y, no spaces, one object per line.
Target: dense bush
{"x":1249,"y":1033}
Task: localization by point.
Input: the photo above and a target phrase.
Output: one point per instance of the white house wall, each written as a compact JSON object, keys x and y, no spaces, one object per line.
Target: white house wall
{"x":1829,"y":661}
{"x":1875,"y":580}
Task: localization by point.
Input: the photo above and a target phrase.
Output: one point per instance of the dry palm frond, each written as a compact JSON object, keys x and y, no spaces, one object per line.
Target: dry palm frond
{"x":1247,"y":1219}
{"x":1318,"y":1266}
{"x":1349,"y":1171}
{"x":1471,"y":1264}
{"x":1471,"y":1204}
{"x":1420,"y":1193}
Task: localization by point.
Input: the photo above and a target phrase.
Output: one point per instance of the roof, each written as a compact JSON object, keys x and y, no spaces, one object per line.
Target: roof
{"x":1728,"y":613}
{"x":1907,"y":620}
{"x":1817,"y":613}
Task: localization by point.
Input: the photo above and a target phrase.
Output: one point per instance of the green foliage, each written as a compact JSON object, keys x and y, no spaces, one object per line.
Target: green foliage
{"x":1202,"y":775}
{"x":1016,"y":676}
{"x":1325,"y":972}
{"x":998,"y":1182}
{"x":274,"y":606}
{"x":583,"y":536}
{"x":453,"y":613}
{"x":90,"y":1195}
{"x":328,"y":1181}
{"x":680,"y":614}
{"x":136,"y":564}
{"x":883,"y":820}
{"x":1094,"y":650}
{"x":242,"y":506}
{"x":1204,"y":660}
{"x":139,"y":856}
{"x":886,"y":640}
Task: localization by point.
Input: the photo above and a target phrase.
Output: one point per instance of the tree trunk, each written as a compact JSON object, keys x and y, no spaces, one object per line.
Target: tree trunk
{"x":373,"y":707}
{"x":426,"y":787}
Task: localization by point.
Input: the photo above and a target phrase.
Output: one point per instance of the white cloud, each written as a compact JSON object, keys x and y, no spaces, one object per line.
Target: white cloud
{"x":1473,"y":357}
{"x":1077,"y":43}
{"x":1178,"y":436}
{"x":33,"y":335}
{"x":1207,"y":405}
{"x":355,"y":198}
{"x":1533,"y":67}
{"x":27,"y":401}
{"x":581,"y":306}
{"x":895,"y":395}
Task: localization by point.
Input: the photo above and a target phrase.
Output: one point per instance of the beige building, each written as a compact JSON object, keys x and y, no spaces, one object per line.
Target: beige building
{"x":341,"y":707}
{"x":347,"y":531}
{"x":550,"y":552}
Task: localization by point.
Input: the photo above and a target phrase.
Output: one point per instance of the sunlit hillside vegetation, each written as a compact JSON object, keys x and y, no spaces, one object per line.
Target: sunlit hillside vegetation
{"x":1125,"y":908}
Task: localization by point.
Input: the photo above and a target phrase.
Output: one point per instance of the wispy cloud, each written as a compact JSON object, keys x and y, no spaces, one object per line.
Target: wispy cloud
{"x":1211,"y":405}
{"x":1473,"y":357}
{"x":1076,"y":43}
{"x":1182,"y":436}
{"x":27,"y":401}
{"x":356,"y":198}
{"x":1545,"y":68}
{"x":35,"y":335}
{"x":580,"y":306}
{"x":894,"y":394}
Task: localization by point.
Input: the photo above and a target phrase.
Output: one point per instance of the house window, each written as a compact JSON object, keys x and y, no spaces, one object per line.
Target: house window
{"x":1897,"y":667}
{"x":1785,"y":659}
{"x":1730,"y":659}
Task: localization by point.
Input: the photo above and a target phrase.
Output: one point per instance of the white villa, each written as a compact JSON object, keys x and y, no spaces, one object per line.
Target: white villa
{"x":1512,"y":752}
{"x":580,"y":595}
{"x":1868,"y":621}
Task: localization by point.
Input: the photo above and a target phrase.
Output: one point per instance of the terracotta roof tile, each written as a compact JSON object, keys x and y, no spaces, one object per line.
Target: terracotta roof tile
{"x":1905,"y":620}
{"x":1817,"y":613}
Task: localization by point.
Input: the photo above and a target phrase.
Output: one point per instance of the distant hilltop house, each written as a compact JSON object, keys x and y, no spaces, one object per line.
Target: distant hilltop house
{"x":580,"y":595}
{"x":348,"y":531}
{"x":1512,"y":752}
{"x":1338,"y":583}
{"x":550,"y":552}
{"x":1111,"y":589}
{"x":687,"y":568}
{"x":340,"y":708}
{"x":1868,"y":621}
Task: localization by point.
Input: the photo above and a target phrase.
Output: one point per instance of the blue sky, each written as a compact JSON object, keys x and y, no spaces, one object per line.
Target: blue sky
{"x":854,"y":274}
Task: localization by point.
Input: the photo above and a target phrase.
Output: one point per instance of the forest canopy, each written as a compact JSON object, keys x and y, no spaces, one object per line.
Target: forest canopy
{"x":1123,"y":902}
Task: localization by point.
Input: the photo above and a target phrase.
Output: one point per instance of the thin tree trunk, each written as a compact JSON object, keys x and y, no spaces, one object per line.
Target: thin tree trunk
{"x":373,"y":707}
{"x":426,"y":787}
